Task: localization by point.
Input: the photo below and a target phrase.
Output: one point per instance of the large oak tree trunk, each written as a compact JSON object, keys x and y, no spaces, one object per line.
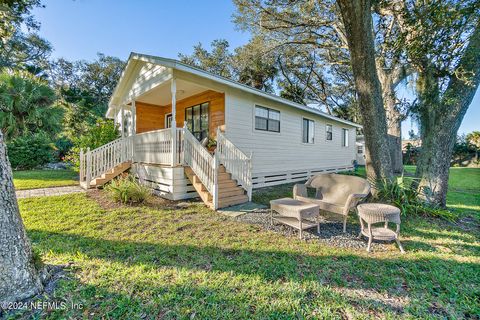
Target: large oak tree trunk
{"x":440,"y":120}
{"x":394,"y":130}
{"x":434,"y":162}
{"x":357,"y":20}
{"x":18,"y":277}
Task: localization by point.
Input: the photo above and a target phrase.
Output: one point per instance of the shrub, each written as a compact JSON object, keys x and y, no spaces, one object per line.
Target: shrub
{"x":405,"y":197}
{"x":30,"y":151}
{"x":103,"y":132}
{"x":63,"y":145}
{"x":127,"y":190}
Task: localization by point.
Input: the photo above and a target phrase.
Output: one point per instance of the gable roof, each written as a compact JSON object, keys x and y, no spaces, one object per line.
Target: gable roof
{"x":178,"y":65}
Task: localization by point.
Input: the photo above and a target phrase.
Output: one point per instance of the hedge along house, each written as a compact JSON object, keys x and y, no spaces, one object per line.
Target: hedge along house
{"x":167,"y":111}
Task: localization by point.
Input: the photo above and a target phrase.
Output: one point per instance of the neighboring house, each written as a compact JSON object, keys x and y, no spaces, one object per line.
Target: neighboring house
{"x":360,"y":152}
{"x":412,"y":142}
{"x":261,"y":139}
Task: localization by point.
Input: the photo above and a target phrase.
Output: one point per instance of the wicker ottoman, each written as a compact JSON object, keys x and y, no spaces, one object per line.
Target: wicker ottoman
{"x":295,"y":213}
{"x":372,"y":213}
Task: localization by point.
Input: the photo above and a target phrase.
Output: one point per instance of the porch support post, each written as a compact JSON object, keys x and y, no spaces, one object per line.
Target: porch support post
{"x":115,"y":117}
{"x":134,"y":118}
{"x":132,"y":141}
{"x":122,"y":120}
{"x":173,"y":88}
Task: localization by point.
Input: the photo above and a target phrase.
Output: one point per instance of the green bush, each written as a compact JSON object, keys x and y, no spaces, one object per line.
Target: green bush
{"x":30,"y":151}
{"x":102,"y":132}
{"x":127,"y":190}
{"x":63,"y":145}
{"x":405,"y":197}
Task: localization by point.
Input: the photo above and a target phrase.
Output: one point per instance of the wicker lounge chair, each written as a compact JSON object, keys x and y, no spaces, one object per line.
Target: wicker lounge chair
{"x":335,"y":193}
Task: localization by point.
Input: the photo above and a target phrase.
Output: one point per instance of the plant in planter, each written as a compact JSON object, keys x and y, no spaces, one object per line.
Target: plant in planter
{"x":211,"y":145}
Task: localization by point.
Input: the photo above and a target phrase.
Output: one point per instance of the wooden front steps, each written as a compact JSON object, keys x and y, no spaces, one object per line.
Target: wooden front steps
{"x":107,"y":176}
{"x":229,"y":193}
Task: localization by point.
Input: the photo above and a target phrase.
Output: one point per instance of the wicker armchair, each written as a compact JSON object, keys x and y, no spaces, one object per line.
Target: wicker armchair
{"x":335,"y":193}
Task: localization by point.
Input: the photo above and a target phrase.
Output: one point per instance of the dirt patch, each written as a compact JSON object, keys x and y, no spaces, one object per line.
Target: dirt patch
{"x":155,"y":202}
{"x":103,"y":199}
{"x":468,"y":224}
{"x":371,"y":297}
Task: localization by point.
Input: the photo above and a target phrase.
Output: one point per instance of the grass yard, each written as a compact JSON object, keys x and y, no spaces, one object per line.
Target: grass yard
{"x":33,"y":179}
{"x":167,"y":262}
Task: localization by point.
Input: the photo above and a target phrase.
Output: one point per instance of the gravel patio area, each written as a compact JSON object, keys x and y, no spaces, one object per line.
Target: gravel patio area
{"x":331,"y":232}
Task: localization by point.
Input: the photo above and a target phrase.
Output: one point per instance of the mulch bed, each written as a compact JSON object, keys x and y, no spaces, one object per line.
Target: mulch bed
{"x":104,"y":200}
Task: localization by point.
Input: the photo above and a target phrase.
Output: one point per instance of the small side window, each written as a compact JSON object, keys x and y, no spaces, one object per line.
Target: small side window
{"x":308,"y":131}
{"x":329,"y":132}
{"x":344,"y":137}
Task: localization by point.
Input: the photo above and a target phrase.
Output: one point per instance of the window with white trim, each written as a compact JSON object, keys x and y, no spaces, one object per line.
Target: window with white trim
{"x":267,"y":119}
{"x":308,"y":130}
{"x":344,"y":137}
{"x":329,"y":132}
{"x":359,"y":149}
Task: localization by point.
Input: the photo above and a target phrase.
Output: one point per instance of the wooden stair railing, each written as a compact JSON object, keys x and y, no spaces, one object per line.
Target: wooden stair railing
{"x":236,"y":162}
{"x":203,"y":168}
{"x":106,"y":162}
{"x":215,"y":185}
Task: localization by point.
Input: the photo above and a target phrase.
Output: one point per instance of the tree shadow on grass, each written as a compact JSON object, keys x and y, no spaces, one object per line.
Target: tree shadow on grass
{"x":416,"y":283}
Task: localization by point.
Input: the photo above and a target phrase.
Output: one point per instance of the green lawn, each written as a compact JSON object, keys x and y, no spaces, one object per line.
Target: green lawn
{"x":170,"y":263}
{"x":32,"y":179}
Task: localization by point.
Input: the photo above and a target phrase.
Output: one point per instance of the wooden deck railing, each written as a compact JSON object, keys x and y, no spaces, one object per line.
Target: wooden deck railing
{"x":156,"y":146}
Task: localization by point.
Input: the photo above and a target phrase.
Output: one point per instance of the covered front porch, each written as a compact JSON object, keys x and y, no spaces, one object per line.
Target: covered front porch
{"x":166,"y":118}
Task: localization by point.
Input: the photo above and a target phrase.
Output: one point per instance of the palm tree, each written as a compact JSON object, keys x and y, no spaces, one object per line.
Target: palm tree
{"x":27,"y":106}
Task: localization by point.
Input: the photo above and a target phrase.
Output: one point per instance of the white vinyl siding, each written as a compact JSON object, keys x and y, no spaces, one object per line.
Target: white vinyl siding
{"x":283,"y":151}
{"x":308,"y":130}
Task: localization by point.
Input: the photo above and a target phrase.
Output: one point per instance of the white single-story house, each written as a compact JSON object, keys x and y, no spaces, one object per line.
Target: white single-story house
{"x":261,"y":139}
{"x":360,"y":152}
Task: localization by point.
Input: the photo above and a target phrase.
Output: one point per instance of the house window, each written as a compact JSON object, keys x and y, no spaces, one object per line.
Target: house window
{"x":127,"y":124}
{"x":359,"y":149}
{"x":329,"y":132}
{"x":308,"y":131}
{"x":344,"y":137}
{"x":168,"y":120}
{"x":197,"y":120}
{"x":267,"y":119}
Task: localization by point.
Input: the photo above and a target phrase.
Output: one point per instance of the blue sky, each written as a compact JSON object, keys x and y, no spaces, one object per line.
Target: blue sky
{"x":81,"y":28}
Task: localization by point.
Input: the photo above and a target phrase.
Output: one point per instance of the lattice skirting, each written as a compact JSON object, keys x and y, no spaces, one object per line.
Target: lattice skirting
{"x":280,"y":177}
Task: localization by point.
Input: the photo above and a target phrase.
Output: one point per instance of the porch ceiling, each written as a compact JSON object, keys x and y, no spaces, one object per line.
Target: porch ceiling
{"x":161,"y":95}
